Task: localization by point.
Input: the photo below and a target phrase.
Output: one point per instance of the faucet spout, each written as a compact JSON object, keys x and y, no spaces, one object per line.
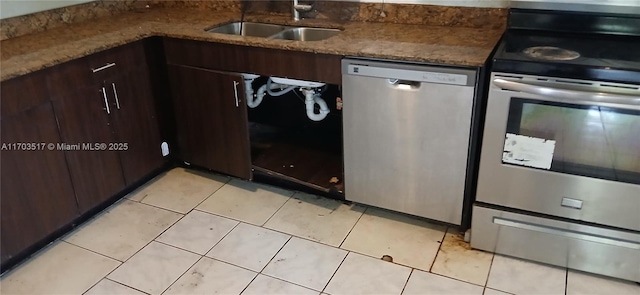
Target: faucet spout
{"x":296,"y":14}
{"x":296,"y":8}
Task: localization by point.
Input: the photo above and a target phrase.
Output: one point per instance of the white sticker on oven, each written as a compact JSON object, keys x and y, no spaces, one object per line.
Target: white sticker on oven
{"x":528,"y":151}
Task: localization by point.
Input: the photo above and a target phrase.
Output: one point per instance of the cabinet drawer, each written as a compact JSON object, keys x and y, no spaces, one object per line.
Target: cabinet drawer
{"x":263,"y":61}
{"x":91,"y":70}
{"x":108,"y":63}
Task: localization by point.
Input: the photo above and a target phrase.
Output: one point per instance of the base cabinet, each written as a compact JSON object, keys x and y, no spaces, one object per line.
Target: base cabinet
{"x":114,"y":113}
{"x":91,"y":129}
{"x":135,"y":125}
{"x":96,"y":173}
{"x":37,"y":196}
{"x":211,"y":118}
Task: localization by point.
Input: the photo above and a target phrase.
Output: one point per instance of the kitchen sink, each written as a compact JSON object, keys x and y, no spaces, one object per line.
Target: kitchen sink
{"x":306,"y":34}
{"x":248,"y":29}
{"x":273,"y":31}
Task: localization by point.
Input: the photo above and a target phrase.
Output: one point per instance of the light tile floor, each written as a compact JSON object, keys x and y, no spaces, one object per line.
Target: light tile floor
{"x":188,"y":232}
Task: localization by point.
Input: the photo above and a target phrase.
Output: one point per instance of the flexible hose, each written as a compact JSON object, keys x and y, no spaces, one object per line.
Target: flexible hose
{"x":277,"y":93}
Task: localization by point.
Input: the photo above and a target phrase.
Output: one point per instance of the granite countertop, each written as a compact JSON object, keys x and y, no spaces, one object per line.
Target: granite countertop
{"x":449,"y":45}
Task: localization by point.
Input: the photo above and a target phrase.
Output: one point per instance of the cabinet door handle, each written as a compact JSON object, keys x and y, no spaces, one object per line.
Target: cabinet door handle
{"x":115,"y":93}
{"x":95,"y":70}
{"x":235,"y":90}
{"x":106,"y":102}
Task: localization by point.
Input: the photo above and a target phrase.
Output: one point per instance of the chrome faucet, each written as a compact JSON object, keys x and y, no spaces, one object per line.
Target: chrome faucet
{"x":296,"y":8}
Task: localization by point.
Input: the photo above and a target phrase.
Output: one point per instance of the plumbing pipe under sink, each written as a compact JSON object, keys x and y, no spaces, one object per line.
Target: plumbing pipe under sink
{"x":311,"y":99}
{"x":308,"y":89}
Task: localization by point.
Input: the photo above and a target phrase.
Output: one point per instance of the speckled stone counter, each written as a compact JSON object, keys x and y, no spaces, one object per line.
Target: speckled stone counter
{"x":449,"y":44}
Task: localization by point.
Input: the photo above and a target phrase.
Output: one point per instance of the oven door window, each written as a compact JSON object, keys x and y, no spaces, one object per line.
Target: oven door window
{"x":574,"y":139}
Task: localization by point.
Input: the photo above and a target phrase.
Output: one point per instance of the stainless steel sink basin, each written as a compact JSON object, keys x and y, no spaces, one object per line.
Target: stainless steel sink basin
{"x":248,"y":29}
{"x":306,"y":34}
{"x":273,"y":31}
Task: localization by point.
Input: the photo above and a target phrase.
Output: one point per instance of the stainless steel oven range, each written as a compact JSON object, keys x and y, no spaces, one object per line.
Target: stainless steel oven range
{"x":559,"y":178}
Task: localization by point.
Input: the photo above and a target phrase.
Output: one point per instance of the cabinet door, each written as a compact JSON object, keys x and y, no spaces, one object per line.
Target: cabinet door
{"x":37,"y":196}
{"x":211,"y":120}
{"x":83,"y":119}
{"x":135,"y":124}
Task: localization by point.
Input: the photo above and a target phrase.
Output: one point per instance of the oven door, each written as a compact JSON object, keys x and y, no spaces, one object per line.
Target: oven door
{"x":566,"y":148}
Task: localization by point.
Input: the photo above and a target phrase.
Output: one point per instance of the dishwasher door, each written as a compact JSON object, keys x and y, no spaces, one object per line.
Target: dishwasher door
{"x":406,"y":136}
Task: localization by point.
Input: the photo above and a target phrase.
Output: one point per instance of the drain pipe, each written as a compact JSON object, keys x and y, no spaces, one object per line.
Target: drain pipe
{"x":248,"y":88}
{"x":311,"y":99}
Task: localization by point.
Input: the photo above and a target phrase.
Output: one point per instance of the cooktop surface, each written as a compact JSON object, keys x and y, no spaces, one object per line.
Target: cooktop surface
{"x":570,"y":55}
{"x":553,"y":45}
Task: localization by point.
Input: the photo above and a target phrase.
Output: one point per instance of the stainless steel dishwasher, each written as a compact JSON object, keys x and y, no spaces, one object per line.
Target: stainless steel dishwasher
{"x":406,"y":136}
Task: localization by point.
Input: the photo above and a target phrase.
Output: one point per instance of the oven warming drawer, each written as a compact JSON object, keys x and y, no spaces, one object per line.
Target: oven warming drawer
{"x":576,"y":246}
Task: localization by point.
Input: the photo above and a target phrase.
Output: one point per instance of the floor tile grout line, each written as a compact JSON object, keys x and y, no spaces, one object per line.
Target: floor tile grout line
{"x":179,"y":248}
{"x":447,"y":277}
{"x":335,"y":272}
{"x":92,"y":251}
{"x":212,"y":193}
{"x":407,"y":281}
{"x":158,"y":207}
{"x":354,"y":226}
{"x":105,"y":276}
{"x":147,"y":244}
{"x":115,"y":282}
{"x":180,"y":276}
{"x":279,"y":208}
{"x":249,"y":284}
{"x":566,"y":281}
{"x":274,"y":255}
{"x":486,"y":282}
{"x":228,"y":179}
{"x":229,"y":263}
{"x":288,"y":282}
{"x":126,"y":286}
{"x":223,"y":237}
{"x":439,"y":247}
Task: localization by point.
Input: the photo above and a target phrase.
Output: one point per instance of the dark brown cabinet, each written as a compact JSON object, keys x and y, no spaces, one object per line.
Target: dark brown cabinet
{"x":96,"y":174}
{"x":263,"y":61}
{"x":211,"y":118}
{"x":37,"y":196}
{"x":111,"y":115}
{"x":135,"y":125}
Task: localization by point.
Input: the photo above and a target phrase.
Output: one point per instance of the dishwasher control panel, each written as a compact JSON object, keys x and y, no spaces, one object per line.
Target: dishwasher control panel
{"x":450,"y":76}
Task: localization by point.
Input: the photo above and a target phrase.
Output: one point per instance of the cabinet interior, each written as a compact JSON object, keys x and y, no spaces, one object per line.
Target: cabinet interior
{"x":286,"y":144}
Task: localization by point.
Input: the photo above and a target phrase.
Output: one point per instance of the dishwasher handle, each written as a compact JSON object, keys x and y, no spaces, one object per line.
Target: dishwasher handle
{"x":404,"y":84}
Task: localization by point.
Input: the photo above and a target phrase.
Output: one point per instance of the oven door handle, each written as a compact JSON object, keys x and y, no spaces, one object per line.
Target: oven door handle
{"x":572,"y":96}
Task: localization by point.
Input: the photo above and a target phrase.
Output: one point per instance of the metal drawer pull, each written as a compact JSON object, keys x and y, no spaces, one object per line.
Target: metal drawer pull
{"x":567,"y":233}
{"x":106,"y":102}
{"x":115,"y":93}
{"x":103,"y":67}
{"x":235,"y":89}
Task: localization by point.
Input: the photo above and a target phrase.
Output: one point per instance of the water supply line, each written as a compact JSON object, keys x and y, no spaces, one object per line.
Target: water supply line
{"x":255,"y":98}
{"x":278,"y":93}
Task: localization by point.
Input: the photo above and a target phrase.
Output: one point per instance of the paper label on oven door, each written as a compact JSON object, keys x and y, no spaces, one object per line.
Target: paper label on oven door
{"x":528,"y":151}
